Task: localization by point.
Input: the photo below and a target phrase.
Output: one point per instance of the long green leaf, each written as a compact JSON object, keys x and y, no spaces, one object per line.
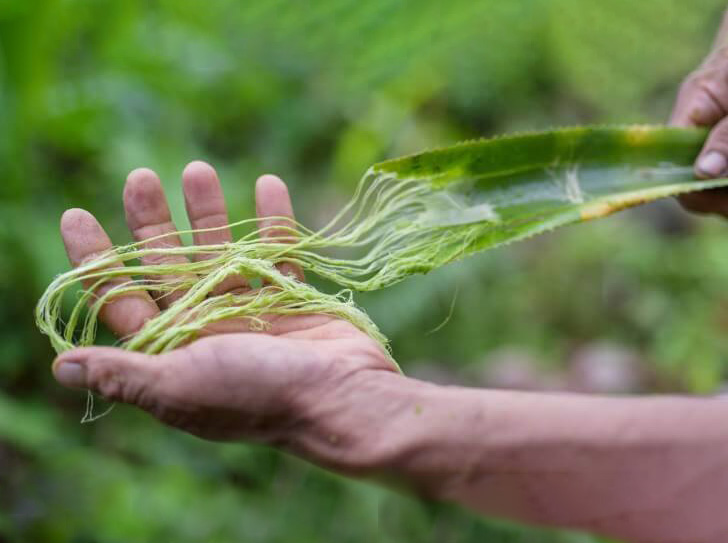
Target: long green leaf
{"x":516,"y":186}
{"x":409,"y":215}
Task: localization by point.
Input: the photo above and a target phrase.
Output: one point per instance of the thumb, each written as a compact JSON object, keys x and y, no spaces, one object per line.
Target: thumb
{"x":713,"y":159}
{"x":116,"y":374}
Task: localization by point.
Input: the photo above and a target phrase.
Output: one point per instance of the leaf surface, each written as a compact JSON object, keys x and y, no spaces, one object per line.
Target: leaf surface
{"x":508,"y":188}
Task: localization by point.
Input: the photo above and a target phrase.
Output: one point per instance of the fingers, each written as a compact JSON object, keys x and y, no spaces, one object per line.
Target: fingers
{"x":707,"y":201}
{"x":703,"y":101}
{"x":711,"y":163}
{"x":703,"y":97}
{"x":272,"y":200}
{"x":116,"y":374}
{"x":148,"y":216}
{"x":205,"y":203}
{"x":206,"y":208}
{"x":85,"y":240}
{"x":713,"y":159}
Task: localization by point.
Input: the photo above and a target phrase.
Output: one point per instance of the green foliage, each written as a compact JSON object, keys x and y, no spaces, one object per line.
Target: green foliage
{"x":657,"y":36}
{"x":316,"y":92}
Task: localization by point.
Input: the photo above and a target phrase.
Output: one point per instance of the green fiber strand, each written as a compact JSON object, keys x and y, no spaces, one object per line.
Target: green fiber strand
{"x":408,"y":215}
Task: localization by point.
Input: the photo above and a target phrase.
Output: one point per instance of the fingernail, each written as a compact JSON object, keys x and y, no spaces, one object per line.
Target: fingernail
{"x":70,"y":374}
{"x":712,"y":164}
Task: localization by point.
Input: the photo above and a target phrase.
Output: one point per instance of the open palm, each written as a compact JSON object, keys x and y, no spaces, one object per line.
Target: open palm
{"x":232,"y":383}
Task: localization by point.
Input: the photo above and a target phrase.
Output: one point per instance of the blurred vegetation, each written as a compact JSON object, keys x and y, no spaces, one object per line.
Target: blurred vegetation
{"x":316,"y":92}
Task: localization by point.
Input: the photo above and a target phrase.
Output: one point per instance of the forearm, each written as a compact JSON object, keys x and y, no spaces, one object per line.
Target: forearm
{"x":644,"y":469}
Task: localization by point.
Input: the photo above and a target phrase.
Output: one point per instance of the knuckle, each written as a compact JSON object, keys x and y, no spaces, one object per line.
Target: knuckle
{"x":115,"y":383}
{"x":365,"y":352}
{"x":108,"y":382}
{"x":706,"y":86}
{"x":706,"y":78}
{"x":711,"y":87}
{"x":171,"y":389}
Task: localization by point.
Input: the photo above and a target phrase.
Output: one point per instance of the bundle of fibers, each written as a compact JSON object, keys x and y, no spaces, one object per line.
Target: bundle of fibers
{"x":408,"y":215}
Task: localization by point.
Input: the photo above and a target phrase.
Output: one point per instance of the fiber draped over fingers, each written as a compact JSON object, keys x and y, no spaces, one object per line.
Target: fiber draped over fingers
{"x":407,"y":216}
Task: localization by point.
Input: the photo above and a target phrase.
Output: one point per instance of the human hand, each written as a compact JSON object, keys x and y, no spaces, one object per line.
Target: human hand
{"x":322,"y":389}
{"x":232,"y":383}
{"x":703,"y":101}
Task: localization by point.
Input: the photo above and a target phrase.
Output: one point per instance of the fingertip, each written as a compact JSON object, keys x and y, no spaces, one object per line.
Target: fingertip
{"x":100,"y":354}
{"x":699,"y":175}
{"x":269,"y":180}
{"x":69,"y":369}
{"x":271,"y":196}
{"x":711,"y":164}
{"x":82,"y":235}
{"x":74,"y":217}
{"x":273,"y":200}
{"x":141,"y":185}
{"x":107,"y":370}
{"x":199,"y":183}
{"x":144,"y":199}
{"x":198,"y":168}
{"x":140,"y":176}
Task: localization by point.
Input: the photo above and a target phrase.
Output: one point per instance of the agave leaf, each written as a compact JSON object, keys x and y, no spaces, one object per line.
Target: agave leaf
{"x":409,"y":215}
{"x":509,"y":188}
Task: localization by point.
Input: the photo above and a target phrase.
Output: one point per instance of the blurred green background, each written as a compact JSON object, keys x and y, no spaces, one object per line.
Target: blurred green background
{"x":316,"y":92}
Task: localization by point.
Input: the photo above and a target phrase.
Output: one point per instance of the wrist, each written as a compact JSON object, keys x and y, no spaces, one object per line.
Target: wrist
{"x":352,"y":423}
